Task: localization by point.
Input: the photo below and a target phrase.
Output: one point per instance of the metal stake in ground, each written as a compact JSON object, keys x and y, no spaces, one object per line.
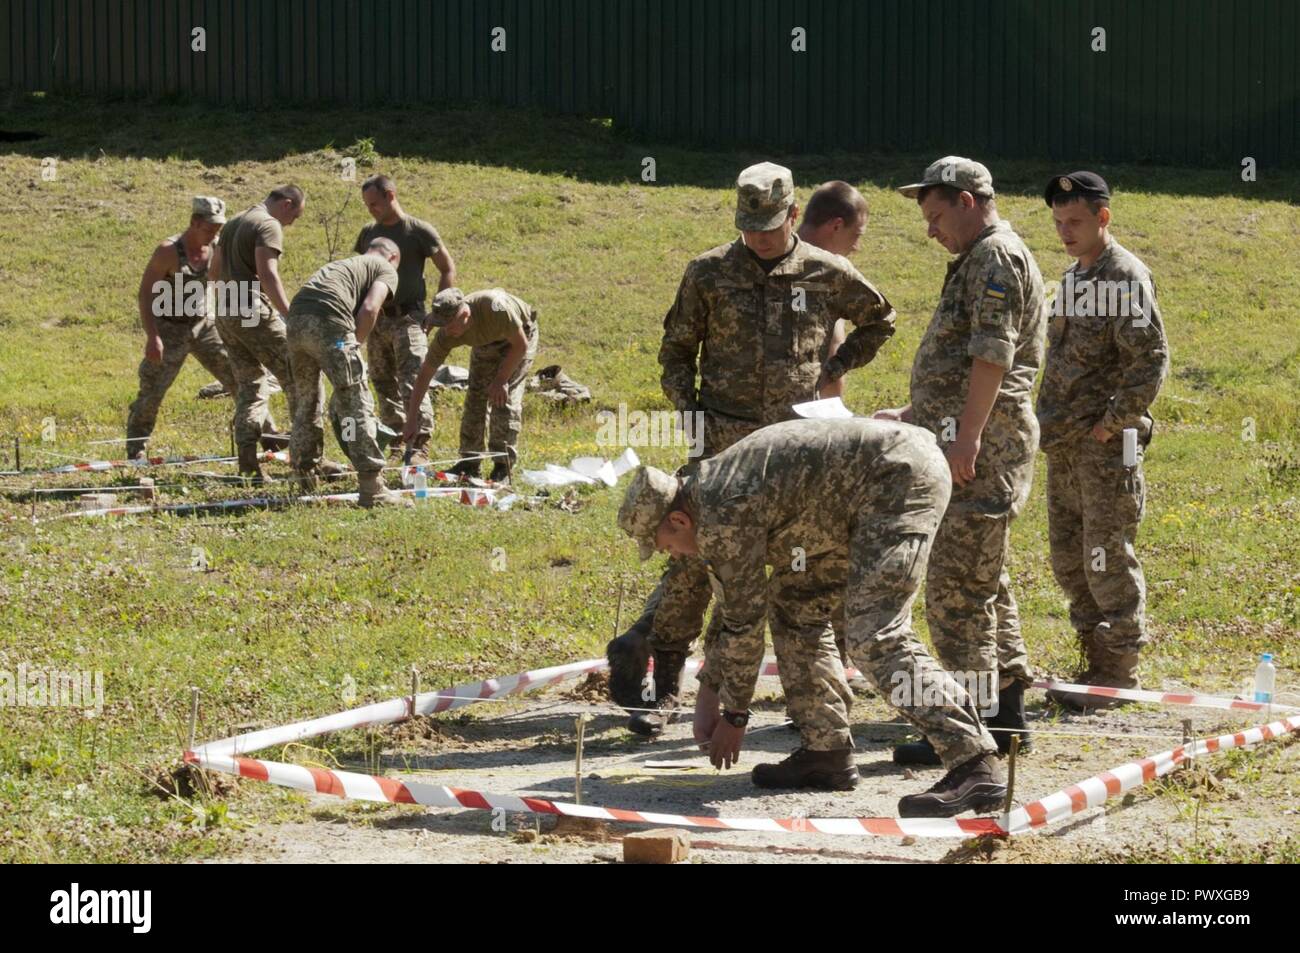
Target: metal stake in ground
{"x":194,"y":717}
{"x":1011,"y":773}
{"x":18,"y":454}
{"x":415,"y":688}
{"x":618,"y":614}
{"x":1187,"y":740}
{"x":581,"y":725}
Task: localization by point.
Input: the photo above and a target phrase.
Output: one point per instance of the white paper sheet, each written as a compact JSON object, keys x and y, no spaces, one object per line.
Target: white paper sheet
{"x":831,"y":408}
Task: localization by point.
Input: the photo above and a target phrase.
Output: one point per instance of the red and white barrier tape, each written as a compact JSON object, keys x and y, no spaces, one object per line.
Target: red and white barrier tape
{"x":1088,"y":793}
{"x":399,"y":709}
{"x":223,"y":756}
{"x":1188,"y":699}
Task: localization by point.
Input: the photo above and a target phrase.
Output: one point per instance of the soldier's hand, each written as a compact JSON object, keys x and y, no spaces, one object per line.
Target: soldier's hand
{"x":889,"y":413}
{"x":1100,"y":433}
{"x":497,"y":394}
{"x":961,"y":456}
{"x":708,"y":712}
{"x":724,"y":751}
{"x":153,"y":350}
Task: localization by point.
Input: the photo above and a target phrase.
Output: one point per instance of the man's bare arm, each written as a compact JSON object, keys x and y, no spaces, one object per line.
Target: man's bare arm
{"x":268,"y":274}
{"x":446,"y":266}
{"x":369,"y":310}
{"x":162,"y":264}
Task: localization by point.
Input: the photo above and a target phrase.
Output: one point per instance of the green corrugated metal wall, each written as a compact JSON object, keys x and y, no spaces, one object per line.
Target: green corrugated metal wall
{"x":1191,"y":81}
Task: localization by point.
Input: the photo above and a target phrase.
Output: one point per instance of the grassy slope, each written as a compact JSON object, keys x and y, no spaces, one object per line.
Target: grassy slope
{"x":554,"y":211}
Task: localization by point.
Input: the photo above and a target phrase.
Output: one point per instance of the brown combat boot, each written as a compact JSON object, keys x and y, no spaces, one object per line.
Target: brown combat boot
{"x":374,"y":492}
{"x":975,"y":785}
{"x":663,"y":706}
{"x":1079,"y":702}
{"x":1109,"y":666}
{"x":832,"y":770}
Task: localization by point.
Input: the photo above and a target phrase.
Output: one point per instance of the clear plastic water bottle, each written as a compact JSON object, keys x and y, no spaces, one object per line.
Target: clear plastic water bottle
{"x":421,"y":483}
{"x":1265,"y":678}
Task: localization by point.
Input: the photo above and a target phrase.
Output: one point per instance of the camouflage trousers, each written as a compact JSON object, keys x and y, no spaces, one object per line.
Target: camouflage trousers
{"x":395,"y":350}
{"x":1094,"y":506}
{"x":502,"y":424}
{"x":255,"y":345}
{"x":973,"y":617}
{"x":317,"y":345}
{"x":887,"y":560}
{"x":179,"y":339}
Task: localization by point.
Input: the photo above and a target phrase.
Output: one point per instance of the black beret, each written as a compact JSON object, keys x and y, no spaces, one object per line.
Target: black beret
{"x":1088,"y":184}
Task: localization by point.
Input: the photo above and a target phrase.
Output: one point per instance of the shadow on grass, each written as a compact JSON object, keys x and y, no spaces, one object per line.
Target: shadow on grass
{"x":71,"y":126}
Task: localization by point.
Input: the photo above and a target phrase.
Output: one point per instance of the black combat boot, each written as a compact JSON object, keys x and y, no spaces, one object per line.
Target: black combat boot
{"x":824,"y":770}
{"x":663,"y":707}
{"x":500,"y":472}
{"x":465,"y":469}
{"x":919,"y":753}
{"x":1011,"y":719}
{"x":975,"y":785}
{"x":629,"y":656}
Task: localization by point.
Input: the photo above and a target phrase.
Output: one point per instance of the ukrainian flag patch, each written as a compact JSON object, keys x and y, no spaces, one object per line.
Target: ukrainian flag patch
{"x":995,"y":290}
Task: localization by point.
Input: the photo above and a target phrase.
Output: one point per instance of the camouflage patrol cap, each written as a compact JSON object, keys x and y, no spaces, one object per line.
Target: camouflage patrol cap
{"x":649,"y":499}
{"x":445,"y":305}
{"x":209,"y":208}
{"x":965,"y":175}
{"x":763,"y":194}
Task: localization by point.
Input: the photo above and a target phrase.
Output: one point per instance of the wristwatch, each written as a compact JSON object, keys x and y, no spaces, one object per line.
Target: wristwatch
{"x":736,"y":719}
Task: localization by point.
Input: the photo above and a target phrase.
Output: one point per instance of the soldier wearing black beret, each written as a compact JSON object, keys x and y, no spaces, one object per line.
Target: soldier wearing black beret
{"x":1106,"y":359}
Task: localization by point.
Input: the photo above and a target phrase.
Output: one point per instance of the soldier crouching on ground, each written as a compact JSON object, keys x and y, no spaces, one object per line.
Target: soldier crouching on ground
{"x":501,"y":332}
{"x":865,"y":492}
{"x":329,"y":319}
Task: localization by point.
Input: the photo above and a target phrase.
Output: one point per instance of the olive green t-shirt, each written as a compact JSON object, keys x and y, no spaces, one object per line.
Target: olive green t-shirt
{"x":242,"y":235}
{"x":418,"y":241}
{"x":336,"y":291}
{"x":492,"y":315}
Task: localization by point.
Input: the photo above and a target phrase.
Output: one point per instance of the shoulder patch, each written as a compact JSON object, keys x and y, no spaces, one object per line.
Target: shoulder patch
{"x":994,"y":290}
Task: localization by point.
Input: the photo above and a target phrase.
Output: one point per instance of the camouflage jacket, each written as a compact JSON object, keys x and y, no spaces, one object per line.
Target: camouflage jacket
{"x":792,"y":492}
{"x":992,"y":308}
{"x":1107,"y":354}
{"x":757,"y":339}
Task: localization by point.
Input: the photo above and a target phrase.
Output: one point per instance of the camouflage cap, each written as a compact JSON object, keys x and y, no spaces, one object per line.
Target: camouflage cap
{"x":963,"y":174}
{"x":763,"y":194}
{"x":445,"y":305}
{"x":209,"y":208}
{"x":649,"y":499}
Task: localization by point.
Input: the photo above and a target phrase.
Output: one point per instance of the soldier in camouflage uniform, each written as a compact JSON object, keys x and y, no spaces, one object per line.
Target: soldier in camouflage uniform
{"x":174,"y":328}
{"x":971,"y":382}
{"x":862,"y":493}
{"x":501,"y":332}
{"x":248,"y":256}
{"x":1106,"y":358}
{"x":751,"y":319}
{"x":397,"y":346}
{"x":330,"y":318}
